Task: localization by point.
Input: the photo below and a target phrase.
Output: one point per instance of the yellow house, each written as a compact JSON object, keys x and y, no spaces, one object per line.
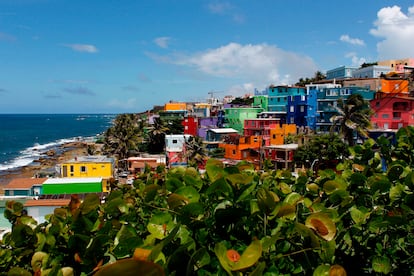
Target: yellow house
{"x":88,"y":166}
{"x":279,"y":133}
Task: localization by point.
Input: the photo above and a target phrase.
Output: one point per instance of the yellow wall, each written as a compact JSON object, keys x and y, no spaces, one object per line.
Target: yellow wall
{"x":279,"y":133}
{"x":175,"y":106}
{"x":101,"y":169}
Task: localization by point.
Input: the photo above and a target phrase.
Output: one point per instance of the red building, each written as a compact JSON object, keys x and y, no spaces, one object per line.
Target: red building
{"x":260,"y":127}
{"x":190,"y":124}
{"x":392,"y":112}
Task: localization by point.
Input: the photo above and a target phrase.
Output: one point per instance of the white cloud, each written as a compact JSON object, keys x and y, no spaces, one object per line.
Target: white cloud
{"x":86,"y":48}
{"x":396,"y":29}
{"x":350,"y":40}
{"x":259,"y":64}
{"x":162,"y":41}
{"x":356,"y":61}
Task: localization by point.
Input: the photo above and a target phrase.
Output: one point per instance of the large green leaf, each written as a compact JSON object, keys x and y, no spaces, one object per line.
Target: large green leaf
{"x":381,"y":264}
{"x":214,"y":169}
{"x":249,"y":257}
{"x":90,"y":203}
{"x":322,"y":224}
{"x":189,"y":192}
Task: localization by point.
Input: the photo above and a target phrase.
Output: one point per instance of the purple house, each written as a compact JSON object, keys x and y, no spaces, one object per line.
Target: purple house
{"x":204,"y":124}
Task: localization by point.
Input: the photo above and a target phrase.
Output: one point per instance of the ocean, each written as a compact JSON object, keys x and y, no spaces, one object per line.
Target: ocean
{"x":26,"y":137}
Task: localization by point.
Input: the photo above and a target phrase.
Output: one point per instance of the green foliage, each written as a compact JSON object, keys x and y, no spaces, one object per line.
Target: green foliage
{"x":233,"y":221}
{"x":325,"y":147}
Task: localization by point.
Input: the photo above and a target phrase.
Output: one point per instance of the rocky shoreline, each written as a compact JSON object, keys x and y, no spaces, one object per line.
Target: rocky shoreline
{"x":47,"y":164}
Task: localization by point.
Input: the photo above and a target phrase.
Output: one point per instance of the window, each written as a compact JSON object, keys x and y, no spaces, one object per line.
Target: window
{"x":302,"y":108}
{"x":385,"y":116}
{"x":174,"y":141}
{"x":377,"y":104}
{"x":292,"y":120}
{"x":396,"y":115}
{"x":72,"y":169}
{"x":292,"y":108}
{"x":274,"y":136}
{"x":234,"y":152}
{"x":83,"y":169}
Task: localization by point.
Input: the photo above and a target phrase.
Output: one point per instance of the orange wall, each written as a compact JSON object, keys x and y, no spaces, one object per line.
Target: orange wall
{"x":278,"y":133}
{"x":235,"y":152}
{"x":175,"y":106}
{"x":394,"y":86}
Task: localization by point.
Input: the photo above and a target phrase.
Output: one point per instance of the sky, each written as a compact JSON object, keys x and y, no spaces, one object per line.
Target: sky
{"x":125,"y":56}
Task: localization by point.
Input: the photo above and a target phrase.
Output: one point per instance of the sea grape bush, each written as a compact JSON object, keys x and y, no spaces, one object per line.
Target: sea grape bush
{"x":233,"y":220}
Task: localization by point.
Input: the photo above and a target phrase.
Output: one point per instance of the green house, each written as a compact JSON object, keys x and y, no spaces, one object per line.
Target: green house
{"x":235,"y":116}
{"x":56,"y":186}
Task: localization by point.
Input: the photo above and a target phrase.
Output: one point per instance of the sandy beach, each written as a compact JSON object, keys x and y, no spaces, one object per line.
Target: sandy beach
{"x":47,"y":164}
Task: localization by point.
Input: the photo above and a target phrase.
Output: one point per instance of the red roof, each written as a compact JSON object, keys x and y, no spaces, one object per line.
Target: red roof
{"x":23,"y":183}
{"x":47,"y":202}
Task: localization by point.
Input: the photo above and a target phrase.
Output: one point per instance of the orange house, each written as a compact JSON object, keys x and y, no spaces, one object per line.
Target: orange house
{"x":394,"y":86}
{"x":278,"y":133}
{"x":241,"y":147}
{"x":175,"y":106}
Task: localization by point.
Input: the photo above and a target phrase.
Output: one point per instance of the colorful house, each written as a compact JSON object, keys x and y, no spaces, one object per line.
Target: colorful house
{"x":260,"y":127}
{"x":234,"y":117}
{"x":342,"y":72}
{"x":24,"y":187}
{"x":392,"y":112}
{"x":327,"y":101}
{"x":278,"y":97}
{"x":175,"y":149}
{"x":138,"y":164}
{"x":56,"y":186}
{"x":297,"y":110}
{"x":190,"y":124}
{"x":216,"y":135}
{"x":281,"y":155}
{"x":88,"y":166}
{"x":205,"y":124}
{"x":278,"y":133}
{"x":312,"y":102}
{"x":238,"y":147}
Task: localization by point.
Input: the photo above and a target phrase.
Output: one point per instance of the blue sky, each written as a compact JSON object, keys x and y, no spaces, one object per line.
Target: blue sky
{"x":107,"y":56}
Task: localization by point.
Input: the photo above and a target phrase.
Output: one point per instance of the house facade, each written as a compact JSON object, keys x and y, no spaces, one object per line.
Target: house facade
{"x":342,"y":72}
{"x":24,"y":187}
{"x":175,"y":149}
{"x":88,"y":166}
{"x":392,"y":112}
{"x":79,"y":185}
{"x":238,"y":147}
{"x":234,"y":117}
{"x":260,"y":127}
{"x":278,"y":97}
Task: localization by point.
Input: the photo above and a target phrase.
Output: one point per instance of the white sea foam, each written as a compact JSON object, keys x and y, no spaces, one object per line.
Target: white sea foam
{"x":37,"y":151}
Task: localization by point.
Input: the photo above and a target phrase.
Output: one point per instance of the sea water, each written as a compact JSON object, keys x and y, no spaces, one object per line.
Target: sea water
{"x":25,"y":138}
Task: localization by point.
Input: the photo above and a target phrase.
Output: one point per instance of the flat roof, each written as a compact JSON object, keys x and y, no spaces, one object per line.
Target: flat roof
{"x":68,"y":180}
{"x":283,"y":147}
{"x":223,"y":130}
{"x":91,"y":158}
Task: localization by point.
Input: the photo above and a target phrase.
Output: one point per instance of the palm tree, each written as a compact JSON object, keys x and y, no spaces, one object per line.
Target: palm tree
{"x":124,"y":136}
{"x":156,"y":136}
{"x":354,"y":114}
{"x":195,"y":151}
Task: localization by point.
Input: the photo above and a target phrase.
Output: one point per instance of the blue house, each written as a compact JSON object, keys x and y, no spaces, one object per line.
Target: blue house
{"x":327,"y":103}
{"x":312,"y":90}
{"x":278,"y":97}
{"x":297,"y":110}
{"x":342,"y":72}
